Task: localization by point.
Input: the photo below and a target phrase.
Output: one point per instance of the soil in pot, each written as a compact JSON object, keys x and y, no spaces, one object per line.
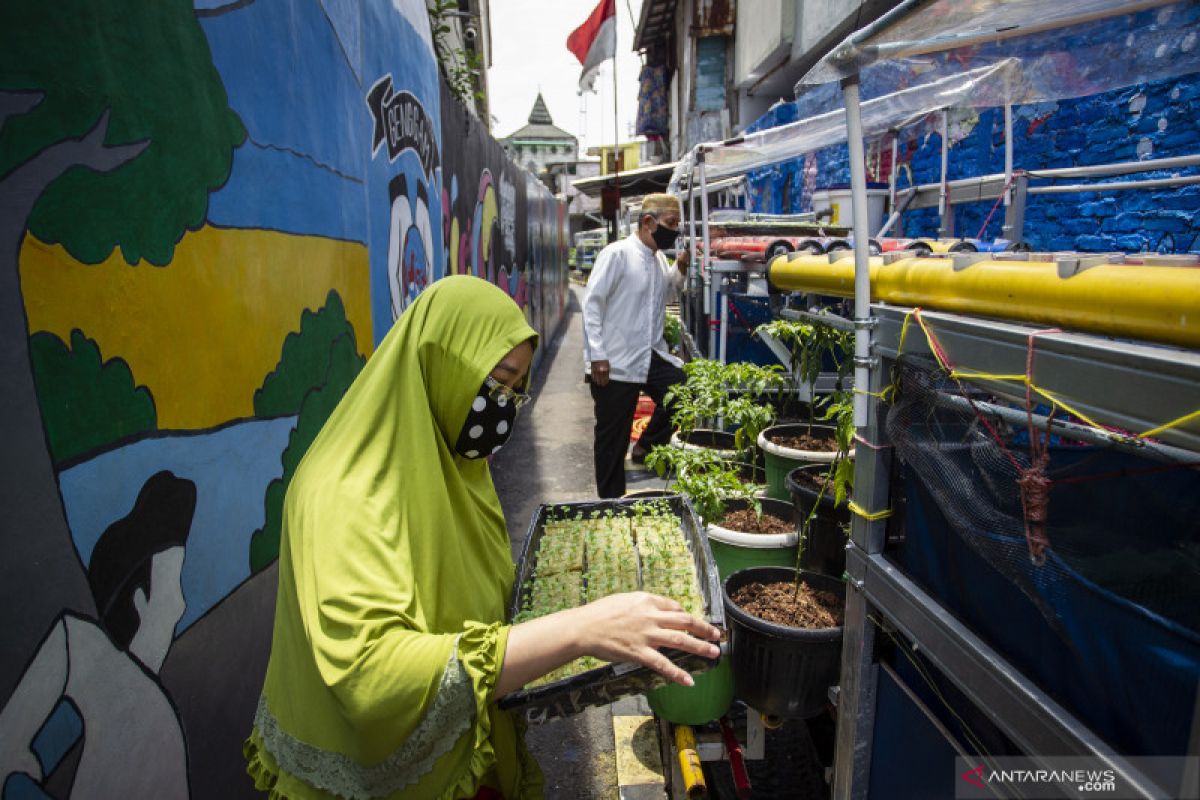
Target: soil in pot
{"x":818,"y":481}
{"x":782,"y":603}
{"x":744,"y":520}
{"x":716,"y":440}
{"x":812,"y":442}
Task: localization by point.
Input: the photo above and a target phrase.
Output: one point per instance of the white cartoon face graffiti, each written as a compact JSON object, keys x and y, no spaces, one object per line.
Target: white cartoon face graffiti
{"x":410,"y":242}
{"x":404,"y":130}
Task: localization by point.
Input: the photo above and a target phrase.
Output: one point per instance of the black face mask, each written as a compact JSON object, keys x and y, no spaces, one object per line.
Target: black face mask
{"x":664,"y":237}
{"x":488,"y":426}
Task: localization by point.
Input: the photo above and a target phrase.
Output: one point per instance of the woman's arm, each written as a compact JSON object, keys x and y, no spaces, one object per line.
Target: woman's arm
{"x":622,"y":627}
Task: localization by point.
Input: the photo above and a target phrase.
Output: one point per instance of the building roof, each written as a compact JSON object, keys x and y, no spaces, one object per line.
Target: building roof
{"x":655,"y":24}
{"x":541,"y":127}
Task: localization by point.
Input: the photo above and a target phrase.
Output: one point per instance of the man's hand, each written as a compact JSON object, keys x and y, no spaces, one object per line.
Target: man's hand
{"x":600,"y":373}
{"x":683,"y":260}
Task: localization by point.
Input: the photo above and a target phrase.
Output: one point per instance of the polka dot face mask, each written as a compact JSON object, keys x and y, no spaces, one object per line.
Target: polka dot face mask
{"x":489,"y":422}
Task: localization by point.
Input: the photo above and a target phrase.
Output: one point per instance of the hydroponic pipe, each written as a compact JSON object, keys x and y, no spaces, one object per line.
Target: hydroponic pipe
{"x":1157,"y":304}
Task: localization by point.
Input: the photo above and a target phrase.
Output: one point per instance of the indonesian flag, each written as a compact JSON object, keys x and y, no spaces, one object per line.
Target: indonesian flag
{"x":594,"y":41}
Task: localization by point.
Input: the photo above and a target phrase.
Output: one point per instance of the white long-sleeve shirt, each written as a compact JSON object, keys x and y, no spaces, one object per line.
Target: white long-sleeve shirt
{"x":624,"y":307}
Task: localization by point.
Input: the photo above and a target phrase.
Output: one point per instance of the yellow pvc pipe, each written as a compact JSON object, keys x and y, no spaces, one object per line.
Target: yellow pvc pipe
{"x":1159,"y":304}
{"x":689,"y":763}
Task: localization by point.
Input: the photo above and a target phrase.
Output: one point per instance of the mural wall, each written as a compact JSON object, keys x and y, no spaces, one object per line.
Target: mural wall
{"x":210,"y":214}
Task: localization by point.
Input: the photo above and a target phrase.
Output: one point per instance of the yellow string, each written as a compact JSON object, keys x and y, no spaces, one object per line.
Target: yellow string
{"x":1173,"y":423}
{"x":986,"y":376}
{"x":870,"y":516}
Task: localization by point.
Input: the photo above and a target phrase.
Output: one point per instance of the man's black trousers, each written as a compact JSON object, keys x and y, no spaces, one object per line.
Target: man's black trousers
{"x":616,"y":404}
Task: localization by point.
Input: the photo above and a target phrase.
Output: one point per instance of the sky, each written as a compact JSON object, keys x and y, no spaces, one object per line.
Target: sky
{"x":529,"y":52}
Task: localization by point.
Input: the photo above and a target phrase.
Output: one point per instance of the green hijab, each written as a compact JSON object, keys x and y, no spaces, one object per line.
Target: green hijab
{"x":395,"y":571}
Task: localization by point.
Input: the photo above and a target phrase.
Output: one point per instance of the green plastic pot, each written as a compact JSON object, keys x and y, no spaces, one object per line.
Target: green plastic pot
{"x":707,"y":700}
{"x":781,"y":460}
{"x":734,"y":550}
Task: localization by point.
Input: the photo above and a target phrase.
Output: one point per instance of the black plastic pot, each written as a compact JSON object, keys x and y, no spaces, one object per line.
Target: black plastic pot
{"x":777,"y":670}
{"x":824,"y":549}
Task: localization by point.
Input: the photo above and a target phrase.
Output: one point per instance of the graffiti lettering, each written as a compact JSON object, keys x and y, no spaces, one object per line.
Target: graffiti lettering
{"x":401,"y":121}
{"x":508,"y":214}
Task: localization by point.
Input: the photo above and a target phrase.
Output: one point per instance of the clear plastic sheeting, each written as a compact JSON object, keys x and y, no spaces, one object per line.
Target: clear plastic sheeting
{"x":926,"y":56}
{"x":986,"y":86}
{"x":1070,"y":48}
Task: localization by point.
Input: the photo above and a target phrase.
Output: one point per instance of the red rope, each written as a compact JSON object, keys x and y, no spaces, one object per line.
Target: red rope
{"x":988,"y":218}
{"x":1034,"y":485}
{"x":737,"y":314}
{"x":937,"y":348}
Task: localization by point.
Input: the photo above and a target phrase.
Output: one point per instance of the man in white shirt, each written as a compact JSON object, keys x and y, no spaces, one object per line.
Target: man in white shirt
{"x":623,"y":346}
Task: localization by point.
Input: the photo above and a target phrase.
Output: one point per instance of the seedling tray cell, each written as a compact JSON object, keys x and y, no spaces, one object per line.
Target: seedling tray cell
{"x":663,"y":551}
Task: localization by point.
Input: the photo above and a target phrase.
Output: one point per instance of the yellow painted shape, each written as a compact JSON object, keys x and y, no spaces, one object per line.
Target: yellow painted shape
{"x":202,"y":332}
{"x":1159,"y":304}
{"x":639,"y":760}
{"x":486,"y":218}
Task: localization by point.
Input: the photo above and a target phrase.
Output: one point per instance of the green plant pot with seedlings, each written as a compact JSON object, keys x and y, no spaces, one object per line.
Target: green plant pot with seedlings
{"x":815,"y":348}
{"x":715,"y":489}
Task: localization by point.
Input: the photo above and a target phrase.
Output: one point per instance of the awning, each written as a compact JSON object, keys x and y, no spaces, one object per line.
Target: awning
{"x":634,"y":182}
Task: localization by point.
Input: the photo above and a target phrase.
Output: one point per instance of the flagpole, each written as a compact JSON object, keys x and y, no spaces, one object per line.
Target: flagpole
{"x":616,"y":135}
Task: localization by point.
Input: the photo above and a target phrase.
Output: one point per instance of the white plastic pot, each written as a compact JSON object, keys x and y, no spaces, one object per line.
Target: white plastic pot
{"x":806,"y":456}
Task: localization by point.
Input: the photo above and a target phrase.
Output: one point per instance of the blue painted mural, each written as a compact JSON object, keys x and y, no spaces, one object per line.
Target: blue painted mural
{"x":213,"y":213}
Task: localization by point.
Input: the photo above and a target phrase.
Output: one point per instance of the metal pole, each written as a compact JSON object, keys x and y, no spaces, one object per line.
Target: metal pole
{"x":1008,"y":152}
{"x":706,"y":258}
{"x":693,"y":264}
{"x":723,"y":285}
{"x":616,"y":129}
{"x":944,"y":209}
{"x":892,"y":175}
{"x":862,"y":273}
{"x":856,"y":703}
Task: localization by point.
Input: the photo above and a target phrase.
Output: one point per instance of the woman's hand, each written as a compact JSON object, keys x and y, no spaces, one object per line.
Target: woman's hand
{"x":632,"y":626}
{"x":621,"y":627}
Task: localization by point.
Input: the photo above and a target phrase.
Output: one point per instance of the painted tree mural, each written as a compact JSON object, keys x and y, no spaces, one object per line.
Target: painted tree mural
{"x":114,"y":128}
{"x":86,"y":402}
{"x":316,"y":367}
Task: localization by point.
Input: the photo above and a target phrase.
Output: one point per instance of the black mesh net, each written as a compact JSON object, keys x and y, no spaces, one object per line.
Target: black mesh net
{"x":1109,"y":520}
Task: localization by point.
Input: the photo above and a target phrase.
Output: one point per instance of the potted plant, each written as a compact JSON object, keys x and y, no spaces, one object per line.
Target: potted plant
{"x":785,"y":638}
{"x":813,"y":346}
{"x":742,"y":527}
{"x":716,"y":408}
{"x":820,"y":494}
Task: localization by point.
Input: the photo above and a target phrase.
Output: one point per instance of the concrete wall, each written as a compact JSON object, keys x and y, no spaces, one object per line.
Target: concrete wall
{"x":211,"y":216}
{"x":764,"y":37}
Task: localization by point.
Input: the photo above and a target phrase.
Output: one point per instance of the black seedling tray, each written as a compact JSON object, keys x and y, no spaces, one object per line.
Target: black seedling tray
{"x":603,"y":685}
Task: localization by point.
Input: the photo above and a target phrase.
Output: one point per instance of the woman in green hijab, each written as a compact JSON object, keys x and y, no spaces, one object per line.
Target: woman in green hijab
{"x":389,"y":647}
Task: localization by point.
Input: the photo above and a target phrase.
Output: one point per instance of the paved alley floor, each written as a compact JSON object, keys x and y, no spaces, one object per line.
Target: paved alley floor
{"x":549,"y":460}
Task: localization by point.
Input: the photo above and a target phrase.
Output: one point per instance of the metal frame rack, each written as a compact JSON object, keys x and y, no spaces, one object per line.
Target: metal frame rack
{"x":1131,"y":385}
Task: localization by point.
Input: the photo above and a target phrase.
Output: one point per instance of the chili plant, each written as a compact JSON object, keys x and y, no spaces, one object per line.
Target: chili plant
{"x":707,"y":479}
